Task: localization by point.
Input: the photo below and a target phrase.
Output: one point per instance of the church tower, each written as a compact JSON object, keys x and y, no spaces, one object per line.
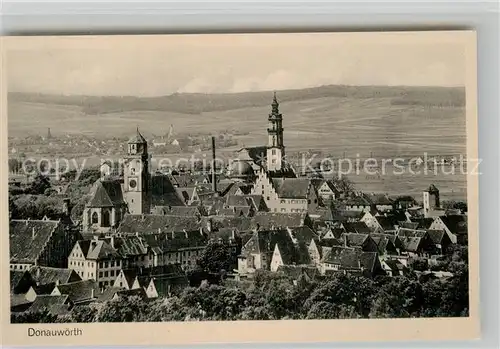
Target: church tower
{"x":275,"y":146}
{"x":136,"y":186}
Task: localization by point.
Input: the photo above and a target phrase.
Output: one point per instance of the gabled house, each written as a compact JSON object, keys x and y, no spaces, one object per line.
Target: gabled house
{"x":39,"y":242}
{"x":54,"y":304}
{"x":96,"y":260}
{"x":455,"y":226}
{"x":79,"y":292}
{"x":363,"y":242}
{"x":327,"y":191}
{"x":46,"y":278}
{"x":285,"y":194}
{"x":350,"y":260}
{"x":356,"y":227}
{"x":441,"y":241}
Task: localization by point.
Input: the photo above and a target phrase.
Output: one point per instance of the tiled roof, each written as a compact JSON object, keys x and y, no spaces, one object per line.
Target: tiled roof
{"x":408,"y":225}
{"x":436,"y":235}
{"x":457,"y":224}
{"x":355,"y":240}
{"x":130,"y":275}
{"x":99,"y":250}
{"x":108,"y":294}
{"x":292,"y":188}
{"x":411,"y":244}
{"x":106,"y":193}
{"x":356,"y":227}
{"x":47,"y":275}
{"x":28,"y":238}
{"x":279,"y":220}
{"x":368,"y":260}
{"x":80,"y":290}
{"x":392,"y":238}
{"x":47,"y":302}
{"x":164,"y":193}
{"x":168,"y":242}
{"x":423,"y":223}
{"x":358,"y":201}
{"x":380,"y":199}
{"x":16,"y":276}
{"x":258,"y":202}
{"x":130,"y":245}
{"x":411,"y":233}
{"x":149,"y":223}
{"x":387,"y":222}
{"x":238,"y":200}
{"x":239,"y":223}
{"x":296,"y":271}
{"x":178,"y":210}
{"x":302,"y":234}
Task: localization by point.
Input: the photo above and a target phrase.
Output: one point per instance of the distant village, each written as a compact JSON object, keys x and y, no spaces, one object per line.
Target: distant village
{"x":142,"y":232}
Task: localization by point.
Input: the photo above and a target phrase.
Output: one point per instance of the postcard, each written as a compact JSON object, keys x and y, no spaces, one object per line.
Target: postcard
{"x":229,"y":188}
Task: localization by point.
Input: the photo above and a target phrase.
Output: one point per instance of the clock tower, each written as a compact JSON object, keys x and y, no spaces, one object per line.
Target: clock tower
{"x":137,"y":181}
{"x":275,"y":147}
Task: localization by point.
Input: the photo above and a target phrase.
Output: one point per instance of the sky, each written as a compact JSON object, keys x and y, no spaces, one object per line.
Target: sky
{"x":162,"y":65}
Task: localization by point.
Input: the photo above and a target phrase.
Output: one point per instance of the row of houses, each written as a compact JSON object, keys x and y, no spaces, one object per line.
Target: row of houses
{"x":58,"y":290}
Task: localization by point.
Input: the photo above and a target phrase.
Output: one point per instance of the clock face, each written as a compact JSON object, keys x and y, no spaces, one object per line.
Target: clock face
{"x":132,"y":183}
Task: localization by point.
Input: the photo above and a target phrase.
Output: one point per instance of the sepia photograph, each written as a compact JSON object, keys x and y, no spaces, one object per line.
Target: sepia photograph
{"x":240,"y":178}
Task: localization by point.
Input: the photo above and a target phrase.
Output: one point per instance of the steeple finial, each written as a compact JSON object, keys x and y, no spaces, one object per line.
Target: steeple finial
{"x":275,"y":104}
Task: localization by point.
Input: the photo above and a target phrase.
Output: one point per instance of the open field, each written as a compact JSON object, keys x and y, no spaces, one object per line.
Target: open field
{"x":335,"y":124}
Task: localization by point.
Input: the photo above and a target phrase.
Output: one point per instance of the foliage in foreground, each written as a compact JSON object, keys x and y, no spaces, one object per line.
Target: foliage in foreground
{"x":272,"y":296}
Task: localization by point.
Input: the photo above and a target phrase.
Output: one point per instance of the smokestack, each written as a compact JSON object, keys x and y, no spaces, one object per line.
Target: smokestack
{"x":214,"y":178}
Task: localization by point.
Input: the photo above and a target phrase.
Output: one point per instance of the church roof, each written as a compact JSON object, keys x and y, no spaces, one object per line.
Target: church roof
{"x":106,"y":193}
{"x":137,"y":138}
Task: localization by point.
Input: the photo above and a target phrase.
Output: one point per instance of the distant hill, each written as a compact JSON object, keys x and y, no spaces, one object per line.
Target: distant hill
{"x":197,"y":103}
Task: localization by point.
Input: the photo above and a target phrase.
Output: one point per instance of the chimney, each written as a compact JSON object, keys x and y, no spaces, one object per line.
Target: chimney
{"x":33,"y":233}
{"x":92,"y":295}
{"x":112,"y":241}
{"x":345,"y":240}
{"x":214,"y":177}
{"x":185,"y":233}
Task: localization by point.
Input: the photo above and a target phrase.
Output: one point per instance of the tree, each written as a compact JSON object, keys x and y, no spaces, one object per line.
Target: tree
{"x":216,"y":258}
{"x":39,"y":185}
{"x":344,"y":185}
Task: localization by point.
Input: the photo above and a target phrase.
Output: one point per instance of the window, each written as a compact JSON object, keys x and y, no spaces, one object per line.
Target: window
{"x":95,"y":218}
{"x":282,"y":201}
{"x":112,"y":273}
{"x":262,"y":186}
{"x":106,"y":219}
{"x":273,"y":151}
{"x":105,"y":274}
{"x":100,"y":274}
{"x":267,"y":198}
{"x":105,"y":264}
{"x":309,"y":201}
{"x":274,"y":161}
{"x":283,"y":210}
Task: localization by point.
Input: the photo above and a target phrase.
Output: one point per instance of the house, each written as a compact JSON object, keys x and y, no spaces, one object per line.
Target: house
{"x":267,"y":220}
{"x":178,"y":247}
{"x":441,"y":241}
{"x":154,"y":223}
{"x":54,"y":304}
{"x":350,"y":260}
{"x":79,"y":292}
{"x":163,"y":281}
{"x":363,"y":242}
{"x":327,"y":190}
{"x":164,"y":191}
{"x":414,"y":246}
{"x":20,"y":282}
{"x":269,"y":250}
{"x":393,"y":267}
{"x":383,"y":223}
{"x":95,"y":260}
{"x":284,"y":194}
{"x":356,"y":227}
{"x":381,"y":202}
{"x":358,"y":203}
{"x":385,"y":246}
{"x":455,"y":226}
{"x":193,"y":211}
{"x":39,"y":242}
{"x":46,"y":278}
